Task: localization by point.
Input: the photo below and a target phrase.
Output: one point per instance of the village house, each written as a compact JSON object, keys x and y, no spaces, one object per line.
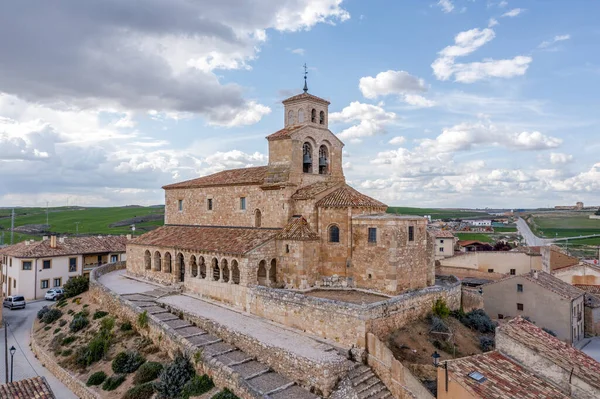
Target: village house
{"x":444,"y":244}
{"x":472,"y":246}
{"x":547,"y":301}
{"x":30,"y":268}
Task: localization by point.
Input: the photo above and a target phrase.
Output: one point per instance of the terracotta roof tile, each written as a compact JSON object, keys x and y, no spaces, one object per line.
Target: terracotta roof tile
{"x":443,"y":234}
{"x":549,"y":282}
{"x":297,"y":229}
{"x":312,"y":190}
{"x":503,"y":378}
{"x":30,"y":388}
{"x":346,"y":196}
{"x":464,"y":243}
{"x":592,"y":289}
{"x":303,"y":96}
{"x":285,"y":133}
{"x":553,"y":349}
{"x":243,"y":176}
{"x":226,"y":240}
{"x":69,"y":246}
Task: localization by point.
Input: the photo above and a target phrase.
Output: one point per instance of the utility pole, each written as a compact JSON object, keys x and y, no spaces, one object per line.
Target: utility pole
{"x":47,"y":224}
{"x":77,"y":228}
{"x":12,"y":226}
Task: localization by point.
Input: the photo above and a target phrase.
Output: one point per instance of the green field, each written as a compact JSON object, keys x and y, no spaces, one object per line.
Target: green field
{"x":91,"y":220}
{"x":559,"y":225}
{"x":505,"y":229}
{"x":475,"y":236}
{"x":438,"y":213}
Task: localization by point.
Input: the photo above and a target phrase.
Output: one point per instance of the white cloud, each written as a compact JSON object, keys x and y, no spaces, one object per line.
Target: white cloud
{"x":513,"y":13}
{"x":556,"y":39}
{"x":299,"y":51}
{"x":372,"y":120}
{"x":446,"y":5}
{"x":390,"y":82}
{"x":418,"y":101}
{"x":557,"y":158}
{"x":445,"y":66}
{"x":251,"y":114}
{"x":398,"y":140}
{"x":503,"y":4}
{"x":492,"y":22}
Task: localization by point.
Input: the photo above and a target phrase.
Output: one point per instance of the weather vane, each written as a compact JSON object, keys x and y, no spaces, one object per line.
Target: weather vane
{"x":305,"y":74}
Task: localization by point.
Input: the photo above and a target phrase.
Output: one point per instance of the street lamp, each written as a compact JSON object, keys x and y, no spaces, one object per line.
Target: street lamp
{"x":436,"y":358}
{"x":12,"y":361}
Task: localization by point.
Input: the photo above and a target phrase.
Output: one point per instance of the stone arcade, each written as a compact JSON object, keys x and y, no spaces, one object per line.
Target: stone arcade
{"x":292,"y":224}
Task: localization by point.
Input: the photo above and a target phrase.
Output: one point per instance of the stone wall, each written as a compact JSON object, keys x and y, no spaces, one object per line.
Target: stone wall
{"x":591,"y":317}
{"x":462,"y":272}
{"x":553,"y":258}
{"x":71,"y":381}
{"x":498,"y":261}
{"x":471,"y":299}
{"x":398,"y":379}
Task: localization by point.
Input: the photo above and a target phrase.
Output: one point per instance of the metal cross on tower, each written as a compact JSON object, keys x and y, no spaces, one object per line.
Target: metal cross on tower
{"x":305,"y":74}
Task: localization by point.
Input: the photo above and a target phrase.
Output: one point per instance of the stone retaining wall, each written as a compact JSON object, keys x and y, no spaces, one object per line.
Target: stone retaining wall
{"x":397,"y":378}
{"x":71,"y":381}
{"x":160,"y":335}
{"x":471,"y":299}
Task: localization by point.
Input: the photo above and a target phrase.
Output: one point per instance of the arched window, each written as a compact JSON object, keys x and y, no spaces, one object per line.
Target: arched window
{"x":273,"y":271}
{"x":307,"y":158}
{"x":290,"y":117}
{"x":334,"y":234}
{"x":167,"y":268}
{"x":323,"y":160}
{"x":262,"y":273}
{"x":157,"y":261}
{"x":216,"y":272}
{"x":235,"y":272}
{"x":194,"y":266}
{"x":301,"y":116}
{"x":321,"y":118}
{"x":257,"y":218}
{"x":202,"y":267}
{"x":147,"y":260}
{"x":225,"y":270}
{"x":313,"y":116}
{"x":180,"y":267}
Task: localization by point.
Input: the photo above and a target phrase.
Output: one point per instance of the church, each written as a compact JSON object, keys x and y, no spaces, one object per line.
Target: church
{"x":292,"y":224}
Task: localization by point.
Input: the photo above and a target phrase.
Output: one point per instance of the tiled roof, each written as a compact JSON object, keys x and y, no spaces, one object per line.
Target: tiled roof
{"x":528,"y":250}
{"x":503,"y":378}
{"x":549,"y":282}
{"x":464,"y":243}
{"x":346,"y":196}
{"x":231,"y":177}
{"x":553,"y":349}
{"x":443,"y":234}
{"x":592,"y":289}
{"x":69,"y":246}
{"x":226,"y":240}
{"x":304,"y":96}
{"x":30,"y":388}
{"x":312,"y":190}
{"x":297,"y":229}
{"x":285,"y":133}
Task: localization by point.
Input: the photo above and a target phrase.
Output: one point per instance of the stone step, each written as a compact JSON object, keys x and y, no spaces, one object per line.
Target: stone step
{"x":385,"y":394}
{"x":177,"y":323}
{"x":166,"y":317}
{"x":155,"y":309}
{"x":250,"y":369}
{"x":138,"y":297}
{"x":357,"y":371}
{"x":363,"y":377}
{"x":143,"y":304}
{"x":203,"y":340}
{"x":293,"y":392}
{"x":269,"y":382}
{"x":366,"y":384}
{"x":372,"y":391}
{"x":234,"y":358}
{"x":157,"y":293}
{"x":187,"y":332}
{"x":220,"y":348}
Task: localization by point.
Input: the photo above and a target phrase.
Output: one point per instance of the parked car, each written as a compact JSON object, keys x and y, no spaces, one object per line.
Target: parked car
{"x":14,"y":302}
{"x":54,"y":294}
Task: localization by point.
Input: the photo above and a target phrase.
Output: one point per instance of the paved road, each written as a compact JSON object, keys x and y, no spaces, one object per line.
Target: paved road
{"x":531,"y":239}
{"x":25,"y":363}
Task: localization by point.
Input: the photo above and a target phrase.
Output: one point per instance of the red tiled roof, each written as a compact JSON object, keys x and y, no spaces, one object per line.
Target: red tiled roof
{"x":30,"y":388}
{"x":69,"y":246}
{"x":443,"y":234}
{"x":346,"y":196}
{"x":558,"y":352}
{"x":503,"y":378}
{"x":548,"y":282}
{"x":225,"y":240}
{"x":312,"y":190}
{"x":243,"y":176}
{"x":304,"y":96}
{"x":464,"y":243}
{"x":592,"y":289}
{"x":285,"y":133}
{"x":297,"y":229}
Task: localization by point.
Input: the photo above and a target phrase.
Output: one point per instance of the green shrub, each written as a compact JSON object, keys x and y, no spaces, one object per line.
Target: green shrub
{"x":225,"y":394}
{"x":83,"y":313}
{"x":62,"y":322}
{"x":107,"y":323}
{"x":147,"y":372}
{"x":95,"y":350}
{"x":51,"y":316}
{"x":78,"y":323}
{"x":96,"y":379}
{"x":143,"y":391}
{"x":56,"y":330}
{"x":99,"y":314}
{"x":70,"y":311}
{"x":478,"y":320}
{"x":42,"y":312}
{"x":67,"y":352}
{"x":440,"y":308}
{"x":197,"y":386}
{"x":62,"y":303}
{"x":75,"y":286}
{"x":174,"y":377}
{"x":47,"y":328}
{"x":438,"y":325}
{"x":127,"y":362}
{"x":113,"y":382}
{"x":486,"y":343}
{"x":68,"y":340}
{"x":85,"y":306}
{"x":126,"y":326}
{"x":143,"y":319}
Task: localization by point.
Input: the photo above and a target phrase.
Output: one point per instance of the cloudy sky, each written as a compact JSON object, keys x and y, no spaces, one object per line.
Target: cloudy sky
{"x":448,"y":103}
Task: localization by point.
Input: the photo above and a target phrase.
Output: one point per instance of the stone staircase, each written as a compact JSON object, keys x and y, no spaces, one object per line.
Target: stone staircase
{"x":366,"y":384}
{"x":261,"y":378}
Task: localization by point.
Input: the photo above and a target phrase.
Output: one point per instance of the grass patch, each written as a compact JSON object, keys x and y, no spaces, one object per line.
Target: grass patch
{"x":68,"y":340}
{"x":98,"y":314}
{"x":437,"y":213}
{"x":475,"y":236}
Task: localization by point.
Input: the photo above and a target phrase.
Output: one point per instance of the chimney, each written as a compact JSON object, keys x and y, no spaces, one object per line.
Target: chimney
{"x":52,"y":241}
{"x":535,"y":274}
{"x":61,"y":240}
{"x":26,"y":242}
{"x":129,"y":236}
{"x":44,"y":238}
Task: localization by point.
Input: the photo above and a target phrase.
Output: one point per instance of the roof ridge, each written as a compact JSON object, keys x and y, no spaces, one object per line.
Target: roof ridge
{"x":254,"y":175}
{"x":347,"y":196}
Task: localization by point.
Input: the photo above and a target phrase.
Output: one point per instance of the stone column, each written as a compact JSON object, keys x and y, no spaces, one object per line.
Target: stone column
{"x":230,"y":274}
{"x":268,"y":282}
{"x":221,"y":274}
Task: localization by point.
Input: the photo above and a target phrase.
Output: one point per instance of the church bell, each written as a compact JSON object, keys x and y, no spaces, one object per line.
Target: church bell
{"x":322,"y":161}
{"x":307,"y":159}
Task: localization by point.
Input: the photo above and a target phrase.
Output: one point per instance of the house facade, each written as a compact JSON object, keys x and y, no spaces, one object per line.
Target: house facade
{"x":444,"y":244}
{"x":547,"y":301}
{"x":31,"y":268}
{"x":293,"y":224}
